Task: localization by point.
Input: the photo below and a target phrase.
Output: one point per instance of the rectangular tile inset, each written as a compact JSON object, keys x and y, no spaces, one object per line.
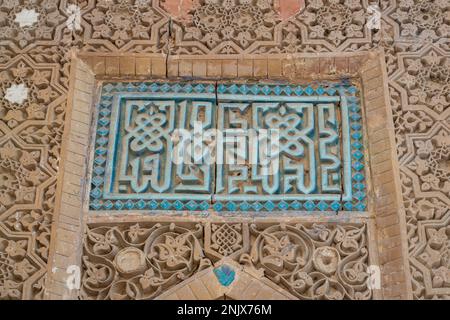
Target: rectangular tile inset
{"x":272,"y":148}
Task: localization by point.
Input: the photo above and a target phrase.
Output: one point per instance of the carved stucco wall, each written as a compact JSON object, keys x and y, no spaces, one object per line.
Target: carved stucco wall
{"x":38,"y":40}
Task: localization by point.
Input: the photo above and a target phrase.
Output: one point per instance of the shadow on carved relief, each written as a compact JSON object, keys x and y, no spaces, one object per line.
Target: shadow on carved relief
{"x":141,"y":261}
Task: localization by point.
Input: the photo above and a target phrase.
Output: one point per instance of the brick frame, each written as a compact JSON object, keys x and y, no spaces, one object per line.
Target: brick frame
{"x":386,"y":226}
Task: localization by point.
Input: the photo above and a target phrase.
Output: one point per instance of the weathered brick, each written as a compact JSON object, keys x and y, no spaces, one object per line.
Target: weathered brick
{"x":214,"y":68}
{"x":143,"y":66}
{"x":274,"y":67}
{"x":199,"y":68}
{"x":185,"y":293}
{"x":260,"y":68}
{"x":383,"y":222}
{"x":327,"y":66}
{"x":185,"y":68}
{"x":390,"y":254}
{"x":391,"y":231}
{"x":112,"y":66}
{"x":158,"y":67}
{"x":99,"y":65}
{"x":245,"y":68}
{"x":230,"y":68}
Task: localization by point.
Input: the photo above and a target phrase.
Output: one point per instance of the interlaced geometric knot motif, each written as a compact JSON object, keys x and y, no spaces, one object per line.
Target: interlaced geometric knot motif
{"x":320,"y":157}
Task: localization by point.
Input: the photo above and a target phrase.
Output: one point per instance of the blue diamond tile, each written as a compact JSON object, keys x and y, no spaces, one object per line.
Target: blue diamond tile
{"x":269,"y":205}
{"x":309,"y":205}
{"x":131,"y":87}
{"x":231,"y":206}
{"x":140,"y":204}
{"x":102,"y":141}
{"x":97,"y":181}
{"x":165,"y":87}
{"x":103,"y":121}
{"x":320,"y":91}
{"x":165,"y":204}
{"x":95,"y":205}
{"x":129,"y":204}
{"x":296,"y":205}
{"x":99,"y":170}
{"x":283,"y":205}
{"x":102,"y":131}
{"x":358,"y":155}
{"x":100,"y":151}
{"x":358,"y":177}
{"x":204,"y":205}
{"x":360,"y":195}
{"x":109,"y":87}
{"x":244,"y":206}
{"x":298,"y":90}
{"x":153,"y":205}
{"x":142,"y":87}
{"x":359,"y":186}
{"x":360,"y":206}
{"x":357,"y":145}
{"x":178,"y":205}
{"x":225,"y":275}
{"x":233,"y":89}
{"x":288,"y":90}
{"x":108,"y":205}
{"x":352,"y":90}
{"x":154,"y":87}
{"x":331,"y":91}
{"x":335,"y":206}
{"x":221,"y":88}
{"x":322,"y":206}
{"x":357,"y":166}
{"x":257,"y":206}
{"x":99,"y":160}
{"x":188,"y":88}
{"x":348,"y":206}
{"x":254,"y":89}
{"x":96,"y":193}
{"x":176,"y":87}
{"x":118,"y":205}
{"x":191,"y":205}
{"x":355,"y":108}
{"x":218,"y":206}
{"x":309,"y":91}
{"x":277,"y":90}
{"x":244,"y":89}
{"x":199,"y":88}
{"x":104,"y":112}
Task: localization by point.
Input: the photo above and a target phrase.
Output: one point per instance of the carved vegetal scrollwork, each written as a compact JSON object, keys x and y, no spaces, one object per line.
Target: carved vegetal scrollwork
{"x":226,"y":26}
{"x":28,"y":21}
{"x":141,"y":261}
{"x":15,"y":267}
{"x":316,"y":262}
{"x":35,"y":52}
{"x":421,"y":19}
{"x":135,"y":262}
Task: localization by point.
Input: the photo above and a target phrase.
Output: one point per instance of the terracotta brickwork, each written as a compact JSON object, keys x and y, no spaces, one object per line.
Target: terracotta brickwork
{"x":68,"y":223}
{"x":50,"y":52}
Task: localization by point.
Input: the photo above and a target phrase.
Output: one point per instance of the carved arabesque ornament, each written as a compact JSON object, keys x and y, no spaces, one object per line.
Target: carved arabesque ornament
{"x":225,"y":26}
{"x":416,"y":28}
{"x":141,"y":261}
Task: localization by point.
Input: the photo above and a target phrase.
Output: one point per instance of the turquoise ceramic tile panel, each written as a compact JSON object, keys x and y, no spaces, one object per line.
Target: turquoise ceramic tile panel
{"x":320,"y":155}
